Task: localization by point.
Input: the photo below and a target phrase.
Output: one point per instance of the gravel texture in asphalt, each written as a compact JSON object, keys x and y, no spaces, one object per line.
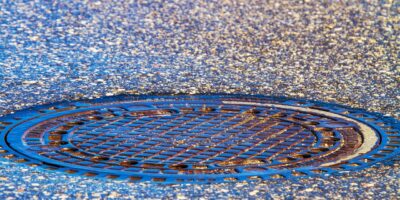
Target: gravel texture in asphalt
{"x":345,"y":52}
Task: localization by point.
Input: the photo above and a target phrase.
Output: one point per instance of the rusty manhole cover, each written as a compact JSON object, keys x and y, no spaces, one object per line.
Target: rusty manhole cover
{"x":209,"y":138}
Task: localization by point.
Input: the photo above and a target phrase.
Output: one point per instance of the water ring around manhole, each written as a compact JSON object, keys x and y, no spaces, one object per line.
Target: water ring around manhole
{"x":198,"y":138}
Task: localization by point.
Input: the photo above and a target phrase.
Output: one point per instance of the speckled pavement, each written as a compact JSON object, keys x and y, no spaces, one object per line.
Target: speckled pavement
{"x":346,"y":52}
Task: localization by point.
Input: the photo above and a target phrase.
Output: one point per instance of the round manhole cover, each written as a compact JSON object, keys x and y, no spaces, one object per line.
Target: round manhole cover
{"x":209,"y":138}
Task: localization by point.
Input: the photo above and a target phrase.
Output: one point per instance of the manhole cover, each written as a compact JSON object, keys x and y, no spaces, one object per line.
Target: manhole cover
{"x":209,"y":138}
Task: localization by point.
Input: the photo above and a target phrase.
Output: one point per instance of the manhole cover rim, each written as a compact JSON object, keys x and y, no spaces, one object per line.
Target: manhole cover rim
{"x":378,"y":122}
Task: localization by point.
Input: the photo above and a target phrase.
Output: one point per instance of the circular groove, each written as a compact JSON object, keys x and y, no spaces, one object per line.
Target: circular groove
{"x":209,"y":138}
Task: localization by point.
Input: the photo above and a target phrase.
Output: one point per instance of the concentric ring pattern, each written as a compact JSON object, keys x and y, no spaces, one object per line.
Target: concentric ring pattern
{"x":198,"y":138}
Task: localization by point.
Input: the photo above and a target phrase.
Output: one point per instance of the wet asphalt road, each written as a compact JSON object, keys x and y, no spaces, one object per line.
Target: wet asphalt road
{"x":334,"y":51}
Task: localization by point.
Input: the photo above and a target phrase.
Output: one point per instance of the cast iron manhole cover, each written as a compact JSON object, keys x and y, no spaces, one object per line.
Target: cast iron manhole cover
{"x":209,"y":138}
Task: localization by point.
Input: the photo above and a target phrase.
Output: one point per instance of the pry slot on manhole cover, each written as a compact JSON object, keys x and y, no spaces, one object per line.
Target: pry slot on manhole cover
{"x":198,"y":138}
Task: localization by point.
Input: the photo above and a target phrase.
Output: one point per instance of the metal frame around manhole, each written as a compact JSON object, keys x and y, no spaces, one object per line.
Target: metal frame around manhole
{"x":26,"y":137}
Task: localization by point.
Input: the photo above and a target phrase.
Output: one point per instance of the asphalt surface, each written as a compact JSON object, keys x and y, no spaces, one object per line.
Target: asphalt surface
{"x":333,"y":51}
